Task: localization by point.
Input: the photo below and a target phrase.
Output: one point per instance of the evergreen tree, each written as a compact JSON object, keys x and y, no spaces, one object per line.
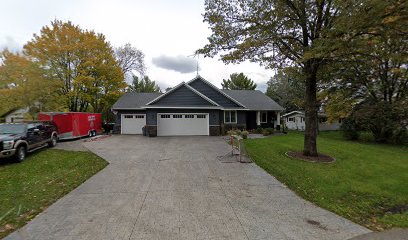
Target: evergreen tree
{"x":143,"y":85}
{"x":238,"y":82}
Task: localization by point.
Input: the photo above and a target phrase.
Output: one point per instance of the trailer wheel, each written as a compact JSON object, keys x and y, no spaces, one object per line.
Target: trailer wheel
{"x":90,"y":134}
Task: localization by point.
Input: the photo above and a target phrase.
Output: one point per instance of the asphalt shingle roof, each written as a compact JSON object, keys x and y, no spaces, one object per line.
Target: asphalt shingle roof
{"x":251,"y":99}
{"x":254,"y":100}
{"x":134,"y":100}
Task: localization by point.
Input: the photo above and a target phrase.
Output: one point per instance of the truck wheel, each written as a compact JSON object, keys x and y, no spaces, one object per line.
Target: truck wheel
{"x":90,"y":134}
{"x":21,"y":153}
{"x":53,"y":141}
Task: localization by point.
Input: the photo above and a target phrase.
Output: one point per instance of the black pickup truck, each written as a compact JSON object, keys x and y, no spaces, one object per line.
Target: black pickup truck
{"x":18,"y":139}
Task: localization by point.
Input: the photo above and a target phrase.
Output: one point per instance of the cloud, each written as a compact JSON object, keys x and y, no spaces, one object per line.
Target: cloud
{"x":10,"y":44}
{"x":179,"y":63}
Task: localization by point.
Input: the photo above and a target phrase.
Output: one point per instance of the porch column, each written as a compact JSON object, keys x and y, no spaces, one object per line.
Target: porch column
{"x":258,"y":118}
{"x":278,"y":119}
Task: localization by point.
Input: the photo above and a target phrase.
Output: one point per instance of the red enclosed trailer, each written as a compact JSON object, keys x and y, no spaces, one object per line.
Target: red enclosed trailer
{"x":72,"y":125}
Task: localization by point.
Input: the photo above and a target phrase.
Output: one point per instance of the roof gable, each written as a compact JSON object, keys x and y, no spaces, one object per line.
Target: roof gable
{"x":215,"y":94}
{"x":182,"y":95}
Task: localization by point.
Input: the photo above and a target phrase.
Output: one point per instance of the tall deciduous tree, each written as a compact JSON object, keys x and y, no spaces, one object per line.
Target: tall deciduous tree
{"x":286,"y":90}
{"x":27,"y":85}
{"x":143,"y":85}
{"x":277,"y":33}
{"x":130,"y":58}
{"x":238,"y":81}
{"x":375,"y":77}
{"x":82,"y":61}
{"x":335,"y":104}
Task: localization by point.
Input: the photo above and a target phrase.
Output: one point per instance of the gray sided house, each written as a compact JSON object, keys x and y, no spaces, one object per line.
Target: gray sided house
{"x":195,"y":108}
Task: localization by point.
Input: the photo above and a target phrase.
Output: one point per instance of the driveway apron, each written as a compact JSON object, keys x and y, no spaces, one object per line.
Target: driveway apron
{"x":178,"y":188}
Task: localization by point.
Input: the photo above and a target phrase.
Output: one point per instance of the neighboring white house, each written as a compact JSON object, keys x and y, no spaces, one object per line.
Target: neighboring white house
{"x":16,"y":115}
{"x":295,"y":120}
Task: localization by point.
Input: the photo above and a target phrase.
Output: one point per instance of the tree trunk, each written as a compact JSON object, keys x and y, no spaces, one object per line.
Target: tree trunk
{"x":310,"y":144}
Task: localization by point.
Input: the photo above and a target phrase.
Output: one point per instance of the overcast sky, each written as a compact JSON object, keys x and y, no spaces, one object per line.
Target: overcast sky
{"x":168,"y":32}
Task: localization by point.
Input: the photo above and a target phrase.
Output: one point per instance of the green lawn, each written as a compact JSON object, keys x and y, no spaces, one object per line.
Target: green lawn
{"x":29,"y":187}
{"x":367,"y":184}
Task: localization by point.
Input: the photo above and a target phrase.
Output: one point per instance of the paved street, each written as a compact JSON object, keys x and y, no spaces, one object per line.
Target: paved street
{"x":177,"y":188}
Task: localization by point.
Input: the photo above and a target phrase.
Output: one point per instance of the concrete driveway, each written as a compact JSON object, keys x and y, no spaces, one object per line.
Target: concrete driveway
{"x":177,"y":188}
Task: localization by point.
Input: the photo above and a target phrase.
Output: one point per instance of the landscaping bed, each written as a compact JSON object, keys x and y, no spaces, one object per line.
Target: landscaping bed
{"x":29,"y":187}
{"x":366,"y":184}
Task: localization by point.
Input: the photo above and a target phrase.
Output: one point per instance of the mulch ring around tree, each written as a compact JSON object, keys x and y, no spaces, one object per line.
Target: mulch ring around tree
{"x":321,"y":158}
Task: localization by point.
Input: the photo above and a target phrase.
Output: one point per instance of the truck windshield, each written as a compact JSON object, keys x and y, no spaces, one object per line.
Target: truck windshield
{"x":12,"y":128}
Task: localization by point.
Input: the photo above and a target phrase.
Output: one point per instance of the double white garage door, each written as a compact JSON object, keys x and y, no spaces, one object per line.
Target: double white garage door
{"x":182,"y":124}
{"x":169,"y":124}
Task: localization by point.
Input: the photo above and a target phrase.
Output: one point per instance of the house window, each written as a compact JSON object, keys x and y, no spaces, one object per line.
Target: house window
{"x":165,"y":116}
{"x":264,"y":117}
{"x":230,"y":116}
{"x":139,"y":116}
{"x":291,"y":119}
{"x":189,"y":116}
{"x":177,"y":116}
{"x":201,"y":116}
{"x":128,"y":116}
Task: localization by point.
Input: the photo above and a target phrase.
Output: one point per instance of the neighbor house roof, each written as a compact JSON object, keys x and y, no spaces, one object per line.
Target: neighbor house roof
{"x":134,"y":100}
{"x":15,"y":110}
{"x":254,"y":100}
{"x":292,"y":113}
{"x":8,"y":112}
{"x":320,"y":114}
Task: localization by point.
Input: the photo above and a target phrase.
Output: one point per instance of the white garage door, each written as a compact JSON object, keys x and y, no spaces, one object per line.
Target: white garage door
{"x":133,"y":123}
{"x":182,"y":124}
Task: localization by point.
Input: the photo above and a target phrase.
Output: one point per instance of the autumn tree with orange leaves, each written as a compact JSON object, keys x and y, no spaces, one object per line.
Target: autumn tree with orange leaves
{"x":83,"y":63}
